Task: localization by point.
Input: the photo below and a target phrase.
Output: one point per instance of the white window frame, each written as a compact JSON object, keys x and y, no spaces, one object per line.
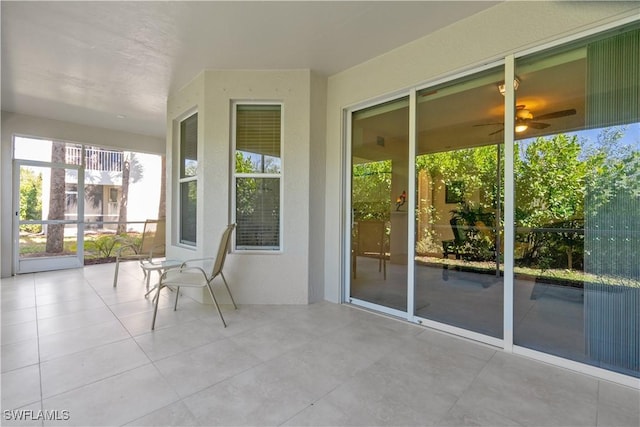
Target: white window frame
{"x":234,"y":176}
{"x":182,"y":180}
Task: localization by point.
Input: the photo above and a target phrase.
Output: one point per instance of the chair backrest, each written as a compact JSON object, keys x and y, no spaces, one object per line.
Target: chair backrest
{"x":459,"y":231}
{"x":153,"y":237}
{"x":222,"y":250}
{"x":371,"y":236}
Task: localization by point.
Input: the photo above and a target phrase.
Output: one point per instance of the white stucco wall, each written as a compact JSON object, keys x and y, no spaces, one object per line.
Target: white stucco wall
{"x":255,"y":278}
{"x":25,"y":125}
{"x":510,"y":27}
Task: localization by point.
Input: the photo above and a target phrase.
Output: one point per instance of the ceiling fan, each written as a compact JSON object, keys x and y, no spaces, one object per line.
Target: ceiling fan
{"x":524,"y":119}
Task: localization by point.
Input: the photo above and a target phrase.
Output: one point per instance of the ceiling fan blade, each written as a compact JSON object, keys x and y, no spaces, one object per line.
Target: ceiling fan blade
{"x":498,"y":131}
{"x":488,"y":124}
{"x":537,"y":125}
{"x":556,"y":114}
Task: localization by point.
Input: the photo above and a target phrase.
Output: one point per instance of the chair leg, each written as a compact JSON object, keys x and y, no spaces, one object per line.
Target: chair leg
{"x":155,"y":310}
{"x":228,"y":290}
{"x":115,"y":274}
{"x":175,"y":306}
{"x":147,"y":277}
{"x":215,"y":302}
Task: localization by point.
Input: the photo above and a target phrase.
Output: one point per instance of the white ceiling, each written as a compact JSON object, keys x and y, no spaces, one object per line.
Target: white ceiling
{"x":91,"y":62}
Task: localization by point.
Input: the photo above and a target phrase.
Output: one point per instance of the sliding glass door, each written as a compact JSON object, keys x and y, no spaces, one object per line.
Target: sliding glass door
{"x":457,"y":264}
{"x":577,"y":181}
{"x":434,"y":176}
{"x":379,"y":180}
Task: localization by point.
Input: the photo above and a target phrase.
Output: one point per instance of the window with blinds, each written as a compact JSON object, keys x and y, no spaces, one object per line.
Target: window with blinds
{"x":188,"y":179}
{"x":257,"y":176}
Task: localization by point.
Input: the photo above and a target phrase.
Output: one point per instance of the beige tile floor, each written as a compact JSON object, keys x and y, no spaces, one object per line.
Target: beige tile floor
{"x":72,"y":343}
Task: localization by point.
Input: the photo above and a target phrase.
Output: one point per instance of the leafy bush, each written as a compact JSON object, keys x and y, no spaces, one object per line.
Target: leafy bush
{"x":103,"y":246}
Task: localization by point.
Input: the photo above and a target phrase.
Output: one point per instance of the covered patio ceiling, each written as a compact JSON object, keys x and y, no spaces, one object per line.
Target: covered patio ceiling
{"x":113,"y":64}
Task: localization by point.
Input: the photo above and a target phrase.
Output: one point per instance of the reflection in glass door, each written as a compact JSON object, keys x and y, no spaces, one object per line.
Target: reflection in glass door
{"x":577,"y":199}
{"x":457,"y":273}
{"x":379,"y":227}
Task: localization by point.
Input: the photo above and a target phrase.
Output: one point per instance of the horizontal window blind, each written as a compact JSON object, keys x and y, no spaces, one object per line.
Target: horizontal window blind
{"x":258,"y":129}
{"x":258,"y":213}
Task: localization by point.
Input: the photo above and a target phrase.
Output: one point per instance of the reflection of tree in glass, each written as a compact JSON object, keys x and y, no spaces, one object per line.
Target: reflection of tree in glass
{"x":612,"y":207}
{"x":371,"y":190}
{"x":245,"y":188}
{"x":469,"y":171}
{"x":563,"y":182}
{"x":257,"y":202}
{"x":256,"y":163}
{"x":190,"y":167}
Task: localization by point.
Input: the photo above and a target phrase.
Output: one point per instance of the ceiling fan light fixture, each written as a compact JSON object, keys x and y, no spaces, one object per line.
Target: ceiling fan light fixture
{"x":502,"y":89}
{"x":523,"y":114}
{"x":521,"y":128}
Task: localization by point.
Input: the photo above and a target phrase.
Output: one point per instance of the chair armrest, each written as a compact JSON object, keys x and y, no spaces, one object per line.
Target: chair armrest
{"x":192,"y":261}
{"x":163,"y":277}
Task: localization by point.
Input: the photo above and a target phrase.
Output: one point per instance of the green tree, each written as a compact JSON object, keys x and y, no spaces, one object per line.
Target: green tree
{"x":562,"y":182}
{"x":30,"y":199}
{"x":371,"y":190}
{"x":550,"y":181}
{"x":132,"y":171}
{"x":471,"y":171}
{"x":57,"y":200}
{"x":612,"y":216}
{"x":246,"y":188}
{"x":475,"y":168}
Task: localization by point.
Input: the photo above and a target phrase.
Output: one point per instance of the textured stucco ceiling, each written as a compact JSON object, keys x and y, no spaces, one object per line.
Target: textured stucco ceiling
{"x":113,"y":64}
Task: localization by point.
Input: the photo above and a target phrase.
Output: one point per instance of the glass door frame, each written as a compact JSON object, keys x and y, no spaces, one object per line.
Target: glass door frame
{"x":506,"y":342}
{"x":37,"y":264}
{"x":347,"y":222}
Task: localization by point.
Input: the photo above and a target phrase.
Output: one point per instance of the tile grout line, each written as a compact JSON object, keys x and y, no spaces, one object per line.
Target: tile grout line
{"x":80,"y":351}
{"x":35,"y":301}
{"x":475,"y":378}
{"x":153,"y":363}
{"x":597,"y":403}
{"x":131,"y":337}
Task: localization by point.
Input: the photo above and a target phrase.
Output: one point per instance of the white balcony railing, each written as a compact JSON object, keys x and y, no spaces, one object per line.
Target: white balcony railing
{"x":95,"y":159}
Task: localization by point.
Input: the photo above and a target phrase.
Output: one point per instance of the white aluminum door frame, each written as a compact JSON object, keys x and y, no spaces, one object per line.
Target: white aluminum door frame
{"x":36,"y":264}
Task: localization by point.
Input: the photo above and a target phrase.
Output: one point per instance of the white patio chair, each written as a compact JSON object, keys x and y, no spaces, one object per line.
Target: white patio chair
{"x":191,"y":274}
{"x":150,"y":246}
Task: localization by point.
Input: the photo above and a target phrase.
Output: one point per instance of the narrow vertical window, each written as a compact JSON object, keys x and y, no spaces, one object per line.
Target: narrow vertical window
{"x":188,"y":179}
{"x":257,"y":175}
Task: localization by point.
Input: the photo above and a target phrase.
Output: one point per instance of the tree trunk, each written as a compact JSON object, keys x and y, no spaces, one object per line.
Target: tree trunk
{"x":162,"y":208}
{"x":122,"y":214}
{"x":55,"y":232}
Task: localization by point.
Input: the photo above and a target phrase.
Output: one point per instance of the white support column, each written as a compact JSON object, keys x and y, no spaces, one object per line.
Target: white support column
{"x":411,"y":208}
{"x":509,"y":200}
